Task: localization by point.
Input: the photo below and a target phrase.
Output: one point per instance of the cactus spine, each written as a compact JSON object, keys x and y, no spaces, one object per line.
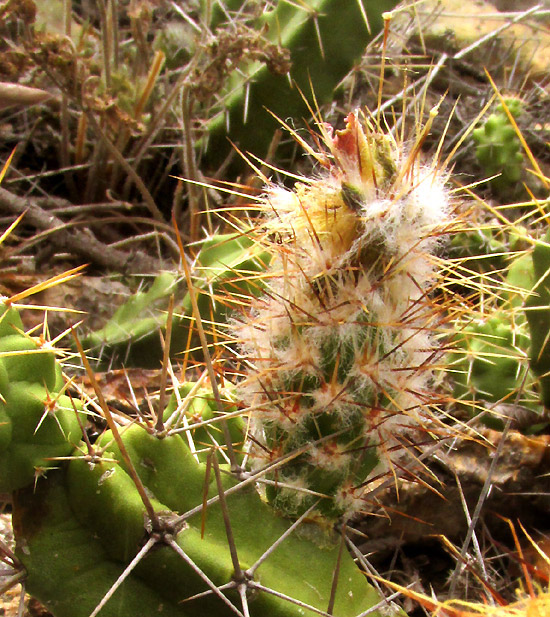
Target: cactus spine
{"x":339,"y":349}
{"x":318,"y":55}
{"x":38,"y":421}
{"x":137,"y":523}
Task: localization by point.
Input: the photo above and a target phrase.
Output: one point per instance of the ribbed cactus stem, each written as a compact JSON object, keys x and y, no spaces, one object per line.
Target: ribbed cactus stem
{"x":339,"y":348}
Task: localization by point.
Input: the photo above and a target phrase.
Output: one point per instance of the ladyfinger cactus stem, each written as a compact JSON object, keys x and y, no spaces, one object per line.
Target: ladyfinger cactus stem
{"x":87,"y":524}
{"x":499,"y":149}
{"x":538,"y":316}
{"x":339,"y":348}
{"x":38,"y":422}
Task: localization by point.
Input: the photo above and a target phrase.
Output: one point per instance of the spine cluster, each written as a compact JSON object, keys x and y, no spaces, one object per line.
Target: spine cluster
{"x":38,"y":420}
{"x":339,"y":348}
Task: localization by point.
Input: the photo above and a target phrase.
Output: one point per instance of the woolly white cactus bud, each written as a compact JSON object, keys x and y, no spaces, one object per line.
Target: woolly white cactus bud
{"x":339,"y":348}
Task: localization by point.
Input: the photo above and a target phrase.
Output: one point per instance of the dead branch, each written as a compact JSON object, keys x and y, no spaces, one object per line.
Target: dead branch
{"x":79,"y":242}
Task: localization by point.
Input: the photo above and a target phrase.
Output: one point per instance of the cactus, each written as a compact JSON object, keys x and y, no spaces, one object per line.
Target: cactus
{"x":320,"y":56}
{"x":498,"y":148}
{"x":338,"y":352}
{"x":341,"y":344}
{"x":81,"y":529}
{"x":538,"y":315}
{"x":490,"y":363}
{"x":96,"y":510}
{"x":226,"y":267}
{"x":82,"y":526}
{"x":38,"y":422}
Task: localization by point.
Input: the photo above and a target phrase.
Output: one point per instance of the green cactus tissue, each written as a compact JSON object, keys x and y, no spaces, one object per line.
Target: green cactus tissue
{"x":38,"y":421}
{"x":340,"y":351}
{"x":498,"y":148}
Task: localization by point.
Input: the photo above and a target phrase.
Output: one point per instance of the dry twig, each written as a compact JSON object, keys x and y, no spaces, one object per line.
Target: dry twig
{"x":81,"y":243}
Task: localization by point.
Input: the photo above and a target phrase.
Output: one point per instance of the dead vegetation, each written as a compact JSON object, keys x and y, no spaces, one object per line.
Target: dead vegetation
{"x":109,"y":108}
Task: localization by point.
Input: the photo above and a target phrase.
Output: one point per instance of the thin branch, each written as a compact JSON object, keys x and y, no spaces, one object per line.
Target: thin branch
{"x":477,"y":511}
{"x":80,"y":243}
{"x":119,"y":157}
